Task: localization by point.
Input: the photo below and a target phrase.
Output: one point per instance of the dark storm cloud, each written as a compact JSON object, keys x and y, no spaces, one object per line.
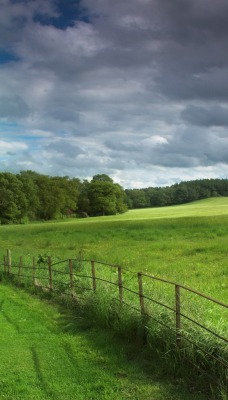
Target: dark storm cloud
{"x":13,"y":107}
{"x":213,"y":115}
{"x":182,"y":41}
{"x":64,"y":148}
{"x":193,"y":61}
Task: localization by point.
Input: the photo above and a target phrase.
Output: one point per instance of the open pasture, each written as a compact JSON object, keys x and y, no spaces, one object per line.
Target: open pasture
{"x":187,"y":243}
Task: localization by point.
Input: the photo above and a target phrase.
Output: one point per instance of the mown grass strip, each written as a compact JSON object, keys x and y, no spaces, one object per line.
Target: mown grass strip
{"x":51,"y":353}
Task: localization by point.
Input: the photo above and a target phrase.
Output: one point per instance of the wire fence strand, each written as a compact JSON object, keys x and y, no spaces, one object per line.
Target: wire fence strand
{"x":73,"y":279}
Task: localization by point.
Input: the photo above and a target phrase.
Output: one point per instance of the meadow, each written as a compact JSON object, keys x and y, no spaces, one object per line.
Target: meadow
{"x":186,"y":244}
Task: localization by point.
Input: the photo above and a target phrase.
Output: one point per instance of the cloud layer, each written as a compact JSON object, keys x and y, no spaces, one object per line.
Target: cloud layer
{"x":137,"y":90}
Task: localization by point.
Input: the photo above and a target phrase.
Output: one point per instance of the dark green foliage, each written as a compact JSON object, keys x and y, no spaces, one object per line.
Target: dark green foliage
{"x":105,"y":196}
{"x":137,"y":198}
{"x":183,"y":192}
{"x":83,"y":199}
{"x":29,"y":196}
{"x":13,"y":202}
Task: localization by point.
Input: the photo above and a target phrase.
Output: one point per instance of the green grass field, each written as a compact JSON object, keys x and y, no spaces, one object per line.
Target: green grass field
{"x":50,"y":353}
{"x":54,"y":354}
{"x":187,"y":243}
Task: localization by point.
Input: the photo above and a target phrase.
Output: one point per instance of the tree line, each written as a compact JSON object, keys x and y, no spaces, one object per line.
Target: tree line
{"x":179,"y":193}
{"x":30,"y":196}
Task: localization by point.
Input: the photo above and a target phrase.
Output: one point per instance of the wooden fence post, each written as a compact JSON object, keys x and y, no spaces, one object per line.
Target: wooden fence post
{"x":71,"y":277}
{"x":9,"y":260}
{"x":93,"y":275}
{"x":5,"y":263}
{"x":50,"y":274}
{"x":141,"y":298}
{"x":178,"y":322}
{"x":120,"y":284}
{"x":20,"y":267}
{"x":34,"y":271}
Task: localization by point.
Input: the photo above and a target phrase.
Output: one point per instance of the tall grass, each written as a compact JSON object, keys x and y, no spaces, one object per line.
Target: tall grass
{"x":192,"y":251}
{"x":154,"y":331}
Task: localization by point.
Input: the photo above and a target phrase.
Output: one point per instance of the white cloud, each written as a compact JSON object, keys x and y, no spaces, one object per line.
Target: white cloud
{"x":11,"y":147}
{"x":154,"y":141}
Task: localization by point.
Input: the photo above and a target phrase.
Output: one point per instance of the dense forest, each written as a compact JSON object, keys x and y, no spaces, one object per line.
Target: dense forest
{"x":29,"y":196}
{"x":180,"y":193}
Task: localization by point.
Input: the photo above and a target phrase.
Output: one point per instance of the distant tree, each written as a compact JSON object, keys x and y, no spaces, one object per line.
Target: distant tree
{"x":160,"y":198}
{"x":121,"y":199}
{"x":184,"y":193}
{"x":13,"y":203}
{"x":83,"y":198}
{"x":105,"y":196}
{"x":30,"y":191}
{"x":137,"y":198}
{"x":48,"y":197}
{"x":102,"y":178}
{"x":68,"y":192}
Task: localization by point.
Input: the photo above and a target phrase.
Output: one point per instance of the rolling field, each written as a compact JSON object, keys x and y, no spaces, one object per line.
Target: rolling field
{"x":187,"y":243}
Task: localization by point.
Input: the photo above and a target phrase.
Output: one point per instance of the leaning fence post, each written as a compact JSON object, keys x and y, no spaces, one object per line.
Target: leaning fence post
{"x":178,"y":322}
{"x":34,"y":271}
{"x":120,"y":284}
{"x":93,"y":275}
{"x":71,"y":277}
{"x":50,"y":273}
{"x":19,"y":267}
{"x":141,"y":298}
{"x":9,"y":260}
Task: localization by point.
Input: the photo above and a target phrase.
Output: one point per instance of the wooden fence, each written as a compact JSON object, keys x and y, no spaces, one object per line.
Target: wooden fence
{"x":73,"y":273}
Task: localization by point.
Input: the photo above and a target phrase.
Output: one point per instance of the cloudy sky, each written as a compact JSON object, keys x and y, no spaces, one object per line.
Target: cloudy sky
{"x":136,"y":89}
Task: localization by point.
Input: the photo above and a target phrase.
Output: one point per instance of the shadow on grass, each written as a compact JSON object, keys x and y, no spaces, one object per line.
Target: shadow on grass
{"x":40,"y":378}
{"x":129,"y":357}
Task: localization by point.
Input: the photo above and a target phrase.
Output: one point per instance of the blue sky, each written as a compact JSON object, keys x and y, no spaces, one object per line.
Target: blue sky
{"x":134,"y":89}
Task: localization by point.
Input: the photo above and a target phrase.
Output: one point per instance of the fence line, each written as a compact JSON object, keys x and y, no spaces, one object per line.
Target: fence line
{"x":73,"y":284}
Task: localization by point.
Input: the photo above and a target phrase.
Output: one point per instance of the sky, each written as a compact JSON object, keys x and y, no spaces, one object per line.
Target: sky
{"x":135,"y":89}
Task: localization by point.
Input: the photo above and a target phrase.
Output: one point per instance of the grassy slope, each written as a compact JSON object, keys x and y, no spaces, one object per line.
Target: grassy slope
{"x":47,"y":353}
{"x":208,"y":207}
{"x":186,"y":243}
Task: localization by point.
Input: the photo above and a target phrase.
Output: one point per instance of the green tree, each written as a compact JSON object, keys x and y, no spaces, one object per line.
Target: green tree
{"x":83,"y":198}
{"x":30,"y":191}
{"x":137,"y":198}
{"x":49,"y":197}
{"x":13,"y":203}
{"x":105,"y":196}
{"x":68,"y":191}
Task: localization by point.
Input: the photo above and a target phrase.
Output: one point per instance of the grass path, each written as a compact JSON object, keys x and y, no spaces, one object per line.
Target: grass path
{"x":47,"y":353}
